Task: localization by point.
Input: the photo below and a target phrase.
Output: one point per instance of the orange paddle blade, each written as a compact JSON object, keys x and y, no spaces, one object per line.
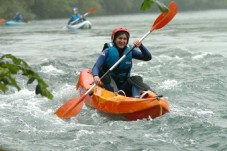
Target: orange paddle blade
{"x":2,"y":20}
{"x":91,"y":10}
{"x":71,"y":108}
{"x":165,"y":18}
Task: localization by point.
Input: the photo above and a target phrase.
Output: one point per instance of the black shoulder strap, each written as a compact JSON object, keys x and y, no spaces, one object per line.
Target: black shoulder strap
{"x":105,"y":46}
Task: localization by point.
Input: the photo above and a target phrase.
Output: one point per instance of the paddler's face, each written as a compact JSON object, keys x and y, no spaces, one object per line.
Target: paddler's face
{"x":121,"y":41}
{"x":74,"y":11}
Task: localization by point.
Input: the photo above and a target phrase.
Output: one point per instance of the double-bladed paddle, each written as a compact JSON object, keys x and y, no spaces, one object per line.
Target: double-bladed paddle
{"x":73,"y":106}
{"x":89,"y":12}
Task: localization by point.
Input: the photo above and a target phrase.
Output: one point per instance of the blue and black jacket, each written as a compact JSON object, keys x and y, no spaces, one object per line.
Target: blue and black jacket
{"x":110,"y":55}
{"x":18,"y":18}
{"x":123,"y":69}
{"x":75,"y":17}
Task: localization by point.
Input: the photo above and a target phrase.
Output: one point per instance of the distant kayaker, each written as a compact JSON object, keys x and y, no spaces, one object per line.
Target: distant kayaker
{"x":75,"y":17}
{"x":117,"y":79}
{"x":18,"y":17}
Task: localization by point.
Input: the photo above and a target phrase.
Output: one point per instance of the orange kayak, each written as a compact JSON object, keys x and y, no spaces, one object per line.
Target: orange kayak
{"x":114,"y":104}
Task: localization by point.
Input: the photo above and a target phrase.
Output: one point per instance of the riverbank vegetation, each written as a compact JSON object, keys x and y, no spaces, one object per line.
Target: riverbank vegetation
{"x":52,"y":9}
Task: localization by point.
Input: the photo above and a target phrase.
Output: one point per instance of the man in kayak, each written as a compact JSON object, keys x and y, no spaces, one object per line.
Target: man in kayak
{"x":75,"y":17}
{"x":18,"y":17}
{"x":117,"y":79}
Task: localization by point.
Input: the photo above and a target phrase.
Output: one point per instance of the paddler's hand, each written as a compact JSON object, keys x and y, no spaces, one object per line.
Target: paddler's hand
{"x":97,"y":81}
{"x":137,"y":43}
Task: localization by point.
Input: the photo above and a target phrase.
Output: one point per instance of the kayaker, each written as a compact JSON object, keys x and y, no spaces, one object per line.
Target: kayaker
{"x":75,"y":17}
{"x":18,"y":17}
{"x":117,"y":79}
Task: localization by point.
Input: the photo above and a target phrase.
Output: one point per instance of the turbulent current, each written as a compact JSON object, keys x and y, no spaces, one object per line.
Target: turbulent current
{"x":189,"y":67}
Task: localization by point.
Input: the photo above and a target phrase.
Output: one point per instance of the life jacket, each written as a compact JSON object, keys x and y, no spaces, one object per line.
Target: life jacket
{"x":75,"y":17}
{"x":122,"y":71}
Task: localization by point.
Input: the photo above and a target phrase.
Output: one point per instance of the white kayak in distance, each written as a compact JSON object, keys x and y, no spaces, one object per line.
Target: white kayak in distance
{"x":82,"y":25}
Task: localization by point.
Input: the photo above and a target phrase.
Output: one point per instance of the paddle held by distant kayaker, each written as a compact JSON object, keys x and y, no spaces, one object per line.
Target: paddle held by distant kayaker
{"x":75,"y":17}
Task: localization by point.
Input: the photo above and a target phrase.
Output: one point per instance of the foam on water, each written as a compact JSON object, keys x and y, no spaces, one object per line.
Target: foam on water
{"x":168,"y":84}
{"x":51,"y":70}
{"x":188,"y":67}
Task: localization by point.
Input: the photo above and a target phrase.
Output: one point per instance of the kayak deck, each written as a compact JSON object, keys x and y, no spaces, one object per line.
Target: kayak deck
{"x":82,"y":25}
{"x":112,"y":103}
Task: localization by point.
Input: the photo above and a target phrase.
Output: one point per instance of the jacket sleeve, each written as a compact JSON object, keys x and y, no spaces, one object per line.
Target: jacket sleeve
{"x":143,"y":54}
{"x":70,"y":20}
{"x":99,"y":63}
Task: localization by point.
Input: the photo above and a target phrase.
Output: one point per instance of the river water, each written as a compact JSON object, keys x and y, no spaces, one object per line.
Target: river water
{"x":188,"y":67}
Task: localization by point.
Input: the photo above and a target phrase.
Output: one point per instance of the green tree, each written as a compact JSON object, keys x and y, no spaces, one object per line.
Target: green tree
{"x":50,"y":9}
{"x":149,"y":3}
{"x":11,"y":65}
{"x":8,"y":8}
{"x":47,"y":9}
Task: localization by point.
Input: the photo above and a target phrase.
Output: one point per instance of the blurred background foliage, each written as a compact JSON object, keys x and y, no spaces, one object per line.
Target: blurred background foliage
{"x":52,"y":9}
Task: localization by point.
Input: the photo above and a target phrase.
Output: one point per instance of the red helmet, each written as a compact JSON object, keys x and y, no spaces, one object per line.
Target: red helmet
{"x":117,"y":30}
